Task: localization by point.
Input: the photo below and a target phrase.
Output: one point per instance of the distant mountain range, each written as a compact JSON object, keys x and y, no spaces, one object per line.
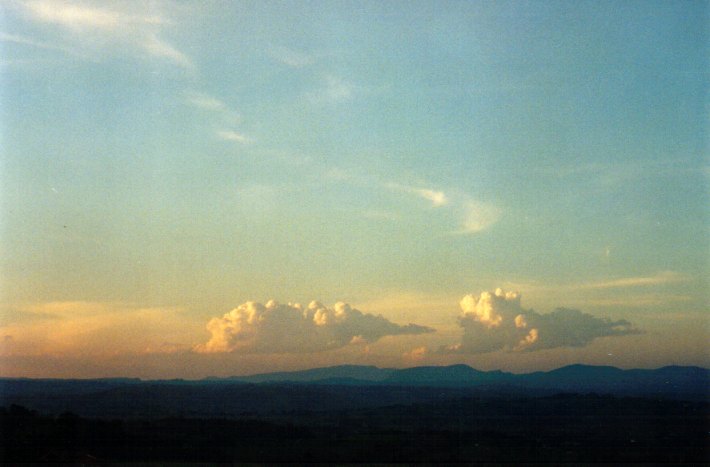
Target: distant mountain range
{"x":340,"y":388}
{"x":575,"y":378}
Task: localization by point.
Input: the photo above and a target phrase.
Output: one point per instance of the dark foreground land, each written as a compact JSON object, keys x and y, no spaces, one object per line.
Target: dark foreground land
{"x":433,"y":428}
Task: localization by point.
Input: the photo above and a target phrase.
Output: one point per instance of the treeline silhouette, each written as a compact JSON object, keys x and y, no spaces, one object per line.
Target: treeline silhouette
{"x":560,"y":428}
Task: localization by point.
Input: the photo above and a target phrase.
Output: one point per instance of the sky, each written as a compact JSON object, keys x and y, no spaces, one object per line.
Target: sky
{"x":213,"y":188}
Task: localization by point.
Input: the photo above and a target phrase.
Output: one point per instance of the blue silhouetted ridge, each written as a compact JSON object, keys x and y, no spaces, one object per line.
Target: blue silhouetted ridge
{"x":450,"y":375}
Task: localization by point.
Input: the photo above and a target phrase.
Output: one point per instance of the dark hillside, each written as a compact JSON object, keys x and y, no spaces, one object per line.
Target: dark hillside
{"x":565,"y":428}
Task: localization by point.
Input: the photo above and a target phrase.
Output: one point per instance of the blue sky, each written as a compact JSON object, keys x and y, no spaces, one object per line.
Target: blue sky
{"x":165,"y":162}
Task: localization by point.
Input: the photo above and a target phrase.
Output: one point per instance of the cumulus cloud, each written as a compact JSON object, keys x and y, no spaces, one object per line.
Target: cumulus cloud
{"x":497,"y":321}
{"x":275,"y":328}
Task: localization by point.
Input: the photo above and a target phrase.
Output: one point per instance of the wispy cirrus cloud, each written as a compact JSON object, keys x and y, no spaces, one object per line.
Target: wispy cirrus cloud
{"x":222,"y":113}
{"x":22,"y":40}
{"x":290,"y":57}
{"x":477,"y":216}
{"x":660,"y":278}
{"x":335,"y":90}
{"x":117,"y":27}
{"x":473,"y":216}
{"x":160,"y":48}
{"x":436,"y":197}
{"x":664,"y":288}
{"x":205,"y":102}
{"x":230,"y":135}
{"x":78,"y":15}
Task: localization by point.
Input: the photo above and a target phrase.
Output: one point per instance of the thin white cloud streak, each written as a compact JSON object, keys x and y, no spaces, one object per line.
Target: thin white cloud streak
{"x":640,"y":300}
{"x":72,"y":16}
{"x":659,"y":279}
{"x":275,"y":328}
{"x":106,"y":28}
{"x":205,"y":102}
{"x":227,"y":116}
{"x":159,"y":48}
{"x":473,"y":216}
{"x":469,"y":215}
{"x":290,"y":57}
{"x":230,"y":135}
{"x":76,"y":15}
{"x":435,"y":197}
{"x":663,"y":277}
{"x":39,"y":44}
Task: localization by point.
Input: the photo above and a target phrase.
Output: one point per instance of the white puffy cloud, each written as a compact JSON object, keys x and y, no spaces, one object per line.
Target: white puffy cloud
{"x":274,"y":328}
{"x":497,"y":321}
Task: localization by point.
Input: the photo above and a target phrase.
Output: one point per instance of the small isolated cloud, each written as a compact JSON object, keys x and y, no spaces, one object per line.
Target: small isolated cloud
{"x":416,"y":355}
{"x":335,"y":90}
{"x":276,"y":328}
{"x":437,"y":198}
{"x":477,"y":216}
{"x":471,"y":215}
{"x":205,"y":102}
{"x":496,"y":321}
{"x":290,"y":57}
{"x":230,"y":135}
